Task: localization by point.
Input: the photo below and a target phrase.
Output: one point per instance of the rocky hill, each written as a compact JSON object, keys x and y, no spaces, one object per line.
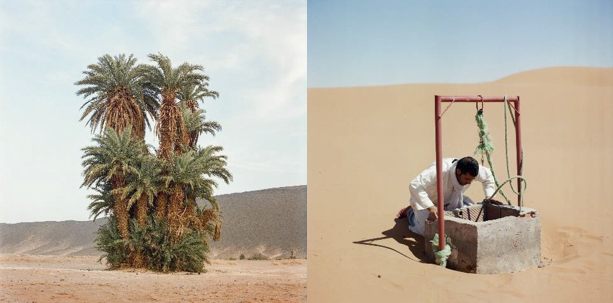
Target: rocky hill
{"x":270,"y":221}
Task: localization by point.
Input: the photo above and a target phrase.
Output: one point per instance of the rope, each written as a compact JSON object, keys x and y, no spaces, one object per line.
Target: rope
{"x":441,"y":255}
{"x":485,"y":147}
{"x":507,"y":181}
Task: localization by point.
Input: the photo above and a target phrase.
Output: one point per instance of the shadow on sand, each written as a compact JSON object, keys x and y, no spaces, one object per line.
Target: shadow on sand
{"x":401,"y":233}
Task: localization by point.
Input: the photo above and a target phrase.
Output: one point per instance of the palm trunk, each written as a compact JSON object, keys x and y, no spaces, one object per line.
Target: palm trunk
{"x":192,"y":138}
{"x":120,"y":208}
{"x":168,"y":124}
{"x":174,"y":221}
{"x":175,"y":201}
{"x":167,"y":131}
{"x":141,"y":210}
{"x":190,"y":209}
{"x":141,"y":217}
{"x":161,"y":206}
{"x":182,"y":136}
{"x":139,"y":261}
{"x":123,"y":110}
{"x":192,"y":104}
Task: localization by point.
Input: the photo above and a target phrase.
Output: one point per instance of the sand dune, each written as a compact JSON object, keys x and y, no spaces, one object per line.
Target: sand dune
{"x":367,"y":143}
{"x":270,"y":221}
{"x":590,"y":76}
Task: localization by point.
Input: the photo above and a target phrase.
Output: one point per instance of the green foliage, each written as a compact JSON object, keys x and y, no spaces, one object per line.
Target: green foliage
{"x":191,"y":92}
{"x":163,"y":254}
{"x":115,"y":155}
{"x":154,"y":242}
{"x":213,"y":165}
{"x":109,"y":241}
{"x":163,"y":77}
{"x":195,"y":122}
{"x":258,"y":256}
{"x":242,"y":257}
{"x":189,"y":169}
{"x":145,"y":179}
{"x":102,"y":202}
{"x":105,"y":80}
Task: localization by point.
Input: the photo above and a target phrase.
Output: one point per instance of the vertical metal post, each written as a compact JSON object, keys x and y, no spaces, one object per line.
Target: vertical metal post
{"x":439,"y":173}
{"x":520,"y":157}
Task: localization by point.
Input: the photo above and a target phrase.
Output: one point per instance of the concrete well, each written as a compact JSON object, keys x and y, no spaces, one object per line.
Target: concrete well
{"x":490,"y":239}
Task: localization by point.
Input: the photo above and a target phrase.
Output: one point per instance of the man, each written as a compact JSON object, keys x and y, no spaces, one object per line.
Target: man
{"x":457,"y":177}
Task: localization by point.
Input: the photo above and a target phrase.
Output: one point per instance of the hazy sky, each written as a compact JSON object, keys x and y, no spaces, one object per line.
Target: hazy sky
{"x":255,"y":53}
{"x":354,"y":43}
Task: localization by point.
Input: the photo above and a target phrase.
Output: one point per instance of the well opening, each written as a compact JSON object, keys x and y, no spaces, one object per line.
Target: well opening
{"x":487,"y":212}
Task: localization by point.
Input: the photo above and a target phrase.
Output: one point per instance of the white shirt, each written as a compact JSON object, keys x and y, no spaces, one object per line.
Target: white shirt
{"x":423,"y":187}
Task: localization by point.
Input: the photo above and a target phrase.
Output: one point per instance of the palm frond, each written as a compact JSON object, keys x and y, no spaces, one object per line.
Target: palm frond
{"x":113,"y":91}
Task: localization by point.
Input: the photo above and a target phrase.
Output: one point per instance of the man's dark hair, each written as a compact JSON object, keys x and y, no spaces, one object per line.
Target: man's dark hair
{"x":468,"y":165}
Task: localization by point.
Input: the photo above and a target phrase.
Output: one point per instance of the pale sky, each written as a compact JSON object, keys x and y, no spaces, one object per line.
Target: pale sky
{"x":255,"y":53}
{"x":359,"y":42}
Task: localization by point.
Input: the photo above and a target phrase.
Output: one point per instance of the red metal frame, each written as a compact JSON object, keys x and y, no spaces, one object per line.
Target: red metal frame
{"x":439,"y":150}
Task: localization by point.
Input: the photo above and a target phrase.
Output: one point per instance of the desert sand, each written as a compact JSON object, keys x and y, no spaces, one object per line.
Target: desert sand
{"x":57,"y":261}
{"x":367,"y":143}
{"x":45,"y":278}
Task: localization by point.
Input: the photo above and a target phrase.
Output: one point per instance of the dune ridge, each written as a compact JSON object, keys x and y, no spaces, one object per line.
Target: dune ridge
{"x":592,"y":76}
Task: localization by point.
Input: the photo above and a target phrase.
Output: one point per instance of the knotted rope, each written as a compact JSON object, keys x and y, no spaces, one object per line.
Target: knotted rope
{"x":486,"y":148}
{"x":441,"y":255}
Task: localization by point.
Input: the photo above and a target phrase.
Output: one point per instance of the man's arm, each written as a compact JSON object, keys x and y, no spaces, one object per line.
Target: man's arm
{"x":487,"y":179}
{"x":418,"y":187}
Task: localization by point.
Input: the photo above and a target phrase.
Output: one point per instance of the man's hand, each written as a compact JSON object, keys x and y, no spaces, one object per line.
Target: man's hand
{"x":433,"y":215}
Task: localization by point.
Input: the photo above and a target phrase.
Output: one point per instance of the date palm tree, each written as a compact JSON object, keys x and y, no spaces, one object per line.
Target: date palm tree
{"x":196,"y":124}
{"x":166,"y":81}
{"x":115,"y":95}
{"x":142,"y":186}
{"x":212,"y":166}
{"x":114,"y":156}
{"x":188,"y":172}
{"x":183,"y":171}
{"x":190,"y":93}
{"x":121,"y":100}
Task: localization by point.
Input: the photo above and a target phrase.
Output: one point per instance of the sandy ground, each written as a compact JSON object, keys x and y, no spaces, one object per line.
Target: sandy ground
{"x":367,"y":143}
{"x":29,"y":278}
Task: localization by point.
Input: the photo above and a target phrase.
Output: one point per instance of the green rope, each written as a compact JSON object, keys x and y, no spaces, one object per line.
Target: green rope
{"x":485,"y":147}
{"x":507,"y":181}
{"x":441,"y":255}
